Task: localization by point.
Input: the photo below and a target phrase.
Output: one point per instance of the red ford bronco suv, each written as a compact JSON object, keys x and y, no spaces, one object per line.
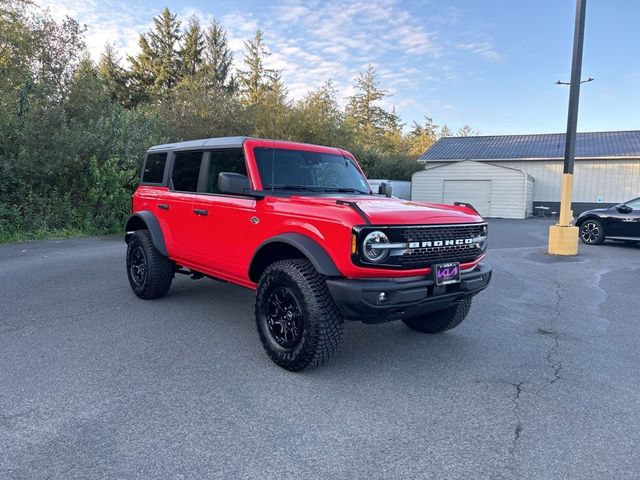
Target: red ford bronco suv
{"x":300,"y":225}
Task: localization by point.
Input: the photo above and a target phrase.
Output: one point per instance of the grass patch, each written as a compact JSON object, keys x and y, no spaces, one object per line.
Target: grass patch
{"x":48,"y":234}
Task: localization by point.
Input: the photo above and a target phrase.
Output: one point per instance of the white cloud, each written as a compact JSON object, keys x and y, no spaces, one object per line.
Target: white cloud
{"x":484,"y":49}
{"x":311,"y":40}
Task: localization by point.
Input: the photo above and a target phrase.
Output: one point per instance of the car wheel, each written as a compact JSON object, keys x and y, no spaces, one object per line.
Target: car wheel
{"x":592,"y":232}
{"x":150,"y":273}
{"x":299,"y":324}
{"x":441,"y":320}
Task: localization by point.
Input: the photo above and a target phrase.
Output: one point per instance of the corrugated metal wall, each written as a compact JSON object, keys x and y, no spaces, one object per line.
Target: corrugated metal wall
{"x":529,"y":196}
{"x":508,"y":197}
{"x":613,"y":180}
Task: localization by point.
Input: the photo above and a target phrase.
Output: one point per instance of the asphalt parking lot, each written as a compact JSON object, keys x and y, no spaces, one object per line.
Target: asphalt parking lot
{"x":541,"y":380}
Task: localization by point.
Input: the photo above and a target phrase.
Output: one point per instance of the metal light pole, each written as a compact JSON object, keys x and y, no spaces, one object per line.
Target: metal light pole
{"x":563,"y":237}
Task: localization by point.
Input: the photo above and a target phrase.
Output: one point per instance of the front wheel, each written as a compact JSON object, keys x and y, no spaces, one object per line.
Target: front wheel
{"x":441,"y":320}
{"x":592,"y":232}
{"x":299,"y":324}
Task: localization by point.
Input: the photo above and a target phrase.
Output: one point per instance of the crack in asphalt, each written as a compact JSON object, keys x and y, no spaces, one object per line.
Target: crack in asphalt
{"x":7,"y":420}
{"x":517,"y":432}
{"x":11,"y":327}
{"x":552,"y":354}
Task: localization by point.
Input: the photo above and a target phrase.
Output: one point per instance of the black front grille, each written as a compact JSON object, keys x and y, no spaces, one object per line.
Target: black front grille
{"x":421,"y":255}
{"x":418,"y":257}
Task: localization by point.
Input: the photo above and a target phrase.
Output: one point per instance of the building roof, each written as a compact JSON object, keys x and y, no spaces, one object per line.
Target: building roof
{"x":532,"y":147}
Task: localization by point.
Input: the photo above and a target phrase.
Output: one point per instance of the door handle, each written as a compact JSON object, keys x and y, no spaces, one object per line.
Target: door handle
{"x":163,"y":206}
{"x":199,"y":211}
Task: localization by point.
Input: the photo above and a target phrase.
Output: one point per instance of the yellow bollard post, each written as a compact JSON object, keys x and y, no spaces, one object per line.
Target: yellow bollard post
{"x":563,"y":237}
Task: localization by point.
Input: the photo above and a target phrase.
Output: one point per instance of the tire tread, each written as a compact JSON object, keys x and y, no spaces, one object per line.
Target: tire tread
{"x":327,"y":322}
{"x":161,"y":270}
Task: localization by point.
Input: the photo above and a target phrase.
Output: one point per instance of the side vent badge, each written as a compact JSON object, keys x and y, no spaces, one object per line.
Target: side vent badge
{"x":255,"y":220}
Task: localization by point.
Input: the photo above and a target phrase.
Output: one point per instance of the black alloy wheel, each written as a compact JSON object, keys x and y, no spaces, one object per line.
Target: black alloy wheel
{"x":138,"y":266}
{"x":284,"y":317}
{"x":299,"y":324}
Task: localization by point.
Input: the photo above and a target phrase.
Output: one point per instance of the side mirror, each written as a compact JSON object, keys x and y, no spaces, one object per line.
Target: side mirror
{"x":624,"y":208}
{"x":233,"y":183}
{"x":385,"y":189}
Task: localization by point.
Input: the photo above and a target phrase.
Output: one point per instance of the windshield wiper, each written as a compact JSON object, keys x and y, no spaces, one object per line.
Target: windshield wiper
{"x":345,"y":190}
{"x":291,"y":187}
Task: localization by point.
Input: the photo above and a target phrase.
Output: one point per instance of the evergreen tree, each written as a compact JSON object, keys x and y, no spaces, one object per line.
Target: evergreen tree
{"x":421,"y":137}
{"x":141,"y":72}
{"x":445,"y":131}
{"x":319,"y":117}
{"x":156,"y":69}
{"x":113,"y":76}
{"x":192,"y":49}
{"x":467,"y":131}
{"x":370,"y":121}
{"x":274,"y":110}
{"x":254,"y":81}
{"x":217,"y":58}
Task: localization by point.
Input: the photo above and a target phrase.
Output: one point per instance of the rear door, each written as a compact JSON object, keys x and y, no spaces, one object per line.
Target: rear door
{"x":223,"y":221}
{"x":178,"y":203}
{"x":475,"y":192}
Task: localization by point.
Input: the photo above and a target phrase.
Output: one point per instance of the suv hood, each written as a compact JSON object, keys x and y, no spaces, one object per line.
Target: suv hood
{"x":394,"y":211}
{"x":403,"y":212}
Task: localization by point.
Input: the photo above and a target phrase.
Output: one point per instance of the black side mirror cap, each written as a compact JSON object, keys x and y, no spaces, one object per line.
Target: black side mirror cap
{"x":624,"y":208}
{"x":233,"y":183}
{"x":385,"y":189}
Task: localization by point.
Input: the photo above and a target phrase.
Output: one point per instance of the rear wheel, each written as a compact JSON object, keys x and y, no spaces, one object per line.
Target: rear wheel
{"x":299,"y":324}
{"x":150,"y":273}
{"x":592,"y":232}
{"x":441,"y":320}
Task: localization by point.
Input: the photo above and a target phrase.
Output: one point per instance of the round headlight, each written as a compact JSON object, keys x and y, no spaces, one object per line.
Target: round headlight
{"x":371,"y":241}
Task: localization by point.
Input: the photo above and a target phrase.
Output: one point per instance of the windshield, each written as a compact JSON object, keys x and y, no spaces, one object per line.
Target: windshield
{"x":311,"y":171}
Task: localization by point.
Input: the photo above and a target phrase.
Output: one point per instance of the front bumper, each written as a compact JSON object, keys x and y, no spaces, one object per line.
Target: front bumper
{"x":406,"y":297}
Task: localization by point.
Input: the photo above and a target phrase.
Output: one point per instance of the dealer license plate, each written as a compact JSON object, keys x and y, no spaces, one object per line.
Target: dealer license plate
{"x":447,"y":273}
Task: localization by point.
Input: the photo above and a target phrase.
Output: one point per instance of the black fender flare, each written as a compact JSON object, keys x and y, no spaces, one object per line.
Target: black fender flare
{"x":151,"y":223}
{"x":310,"y":248}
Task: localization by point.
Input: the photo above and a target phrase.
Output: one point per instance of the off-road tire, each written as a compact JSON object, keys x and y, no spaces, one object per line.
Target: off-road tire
{"x":441,"y":320}
{"x":587,"y":229}
{"x":322,"y":325}
{"x":159,"y":270}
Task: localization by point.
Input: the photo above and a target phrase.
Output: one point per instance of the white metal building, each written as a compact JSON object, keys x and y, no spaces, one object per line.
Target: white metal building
{"x":607,"y":170}
{"x":494,"y":190}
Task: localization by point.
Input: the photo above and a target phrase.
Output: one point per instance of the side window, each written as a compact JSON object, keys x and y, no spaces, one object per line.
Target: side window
{"x":154,"y":168}
{"x":224,"y":161}
{"x":186,"y":168}
{"x":635,"y":204}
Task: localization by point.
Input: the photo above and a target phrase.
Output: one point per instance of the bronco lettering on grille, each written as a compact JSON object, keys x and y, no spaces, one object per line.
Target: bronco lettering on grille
{"x":442,"y":243}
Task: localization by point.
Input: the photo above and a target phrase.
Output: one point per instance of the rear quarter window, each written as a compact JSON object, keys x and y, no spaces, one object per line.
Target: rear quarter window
{"x":153,"y":171}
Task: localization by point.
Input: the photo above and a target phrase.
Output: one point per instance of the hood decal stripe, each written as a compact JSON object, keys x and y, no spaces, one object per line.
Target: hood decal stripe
{"x":355,"y":206}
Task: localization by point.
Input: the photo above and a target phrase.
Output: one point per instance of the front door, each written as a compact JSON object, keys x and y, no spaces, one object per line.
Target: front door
{"x":626,"y":224}
{"x":222,"y":222}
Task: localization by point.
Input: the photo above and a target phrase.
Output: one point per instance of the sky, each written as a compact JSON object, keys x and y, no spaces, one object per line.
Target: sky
{"x":490,"y":64}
